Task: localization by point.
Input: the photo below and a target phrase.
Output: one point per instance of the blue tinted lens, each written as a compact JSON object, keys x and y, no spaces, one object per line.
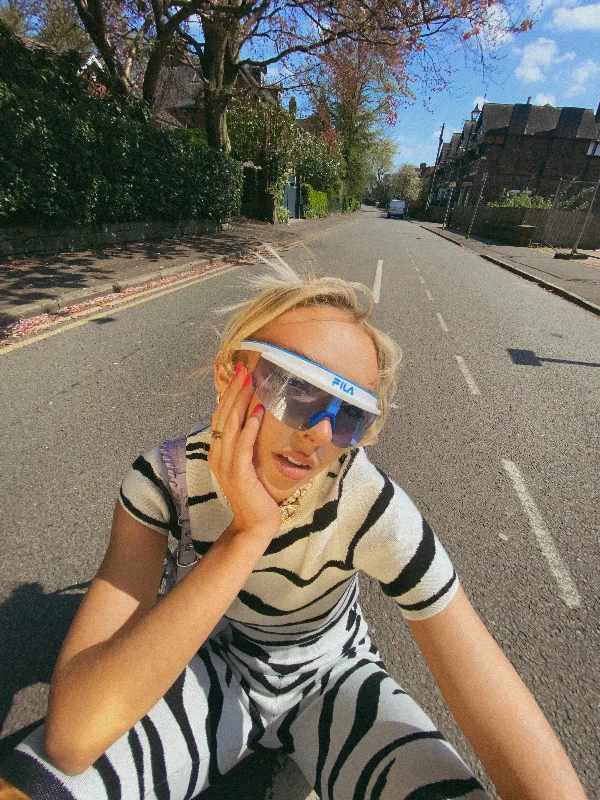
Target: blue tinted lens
{"x":301,"y":405}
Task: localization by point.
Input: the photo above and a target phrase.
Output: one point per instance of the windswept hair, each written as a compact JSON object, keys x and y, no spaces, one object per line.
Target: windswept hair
{"x":282,"y":289}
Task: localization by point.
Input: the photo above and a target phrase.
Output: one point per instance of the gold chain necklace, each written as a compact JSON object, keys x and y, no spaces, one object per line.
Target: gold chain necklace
{"x":291,"y":505}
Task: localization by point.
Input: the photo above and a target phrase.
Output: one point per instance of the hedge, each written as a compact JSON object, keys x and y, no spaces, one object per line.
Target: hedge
{"x":70,"y":158}
{"x":314,"y":204}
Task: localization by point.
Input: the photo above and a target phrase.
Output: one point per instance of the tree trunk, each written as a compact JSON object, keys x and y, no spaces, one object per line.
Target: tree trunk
{"x":215,"y":119}
{"x":220,"y":67}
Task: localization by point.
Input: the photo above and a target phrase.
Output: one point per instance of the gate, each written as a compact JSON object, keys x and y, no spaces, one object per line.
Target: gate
{"x":292,"y":200}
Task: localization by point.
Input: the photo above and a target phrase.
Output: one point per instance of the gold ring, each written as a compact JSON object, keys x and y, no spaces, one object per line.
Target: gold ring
{"x":216,"y":434}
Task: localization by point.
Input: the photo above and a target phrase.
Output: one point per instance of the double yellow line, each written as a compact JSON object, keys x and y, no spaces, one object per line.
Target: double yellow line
{"x":115,"y":306}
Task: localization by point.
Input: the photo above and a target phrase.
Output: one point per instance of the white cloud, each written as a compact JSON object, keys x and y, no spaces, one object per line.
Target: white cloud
{"x":539,"y":7}
{"x":479,"y":101}
{"x":544,"y":99}
{"x":537,"y":57}
{"x":581,"y":76}
{"x":495,"y":28}
{"x":580,"y":18}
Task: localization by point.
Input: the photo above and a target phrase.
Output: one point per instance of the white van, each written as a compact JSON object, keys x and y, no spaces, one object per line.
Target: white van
{"x":396,"y":208}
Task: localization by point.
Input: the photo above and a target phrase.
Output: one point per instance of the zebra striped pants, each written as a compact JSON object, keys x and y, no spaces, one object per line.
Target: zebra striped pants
{"x":351,"y":729}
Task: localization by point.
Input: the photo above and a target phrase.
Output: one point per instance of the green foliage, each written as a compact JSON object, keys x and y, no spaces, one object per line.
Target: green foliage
{"x":269,"y":137}
{"x":68,"y":158}
{"x":352,"y":203}
{"x":522,"y":199}
{"x":283,"y":214}
{"x":406,"y":183}
{"x":314,"y":204}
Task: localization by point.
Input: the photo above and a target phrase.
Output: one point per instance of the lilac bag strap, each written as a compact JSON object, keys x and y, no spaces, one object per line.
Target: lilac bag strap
{"x":173,"y":454}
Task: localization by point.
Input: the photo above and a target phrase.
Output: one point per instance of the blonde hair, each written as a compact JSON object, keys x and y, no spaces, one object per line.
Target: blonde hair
{"x":283,"y":289}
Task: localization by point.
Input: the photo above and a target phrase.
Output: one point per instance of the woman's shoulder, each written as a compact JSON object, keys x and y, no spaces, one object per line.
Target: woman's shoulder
{"x":364,"y":481}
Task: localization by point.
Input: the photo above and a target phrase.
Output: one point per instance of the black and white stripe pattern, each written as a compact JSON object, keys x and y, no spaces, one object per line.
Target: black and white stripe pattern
{"x":354,"y":518}
{"x":351,"y":729}
{"x":294,"y":666}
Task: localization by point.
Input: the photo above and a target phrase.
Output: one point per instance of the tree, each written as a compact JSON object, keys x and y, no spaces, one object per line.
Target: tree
{"x":214,"y":34}
{"x":54,"y":23}
{"x":380,"y":162}
{"x":270,"y":137}
{"x":406,"y":183}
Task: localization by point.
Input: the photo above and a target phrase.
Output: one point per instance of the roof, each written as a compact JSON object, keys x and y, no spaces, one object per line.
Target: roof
{"x":524,"y":118}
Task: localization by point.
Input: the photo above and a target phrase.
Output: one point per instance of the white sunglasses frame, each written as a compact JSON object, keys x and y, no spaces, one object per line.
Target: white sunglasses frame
{"x":319,"y":376}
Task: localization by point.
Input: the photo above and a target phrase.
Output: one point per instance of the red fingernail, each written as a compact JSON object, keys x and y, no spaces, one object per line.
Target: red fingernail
{"x":258,"y":409}
{"x":238,"y":369}
{"x":247,"y":380}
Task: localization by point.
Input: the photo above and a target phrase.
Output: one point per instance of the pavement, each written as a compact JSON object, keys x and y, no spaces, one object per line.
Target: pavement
{"x":577,"y":280}
{"x":31,"y":286}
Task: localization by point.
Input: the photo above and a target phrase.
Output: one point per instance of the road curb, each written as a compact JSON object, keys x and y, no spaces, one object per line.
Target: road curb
{"x":529,"y":276}
{"x":552,"y":287}
{"x":50,"y":305}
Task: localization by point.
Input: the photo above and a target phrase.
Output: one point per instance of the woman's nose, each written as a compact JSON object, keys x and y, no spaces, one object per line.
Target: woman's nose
{"x":320,"y":433}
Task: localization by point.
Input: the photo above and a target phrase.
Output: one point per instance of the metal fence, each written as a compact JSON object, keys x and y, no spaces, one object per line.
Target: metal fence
{"x":570,"y":221}
{"x":576,"y":207}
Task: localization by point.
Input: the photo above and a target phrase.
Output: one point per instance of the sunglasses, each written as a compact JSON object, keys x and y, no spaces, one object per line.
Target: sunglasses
{"x":300,"y":394}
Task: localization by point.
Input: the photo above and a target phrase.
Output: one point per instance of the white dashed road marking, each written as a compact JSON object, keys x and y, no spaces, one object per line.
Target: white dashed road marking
{"x":377,"y":284}
{"x":443,"y":325}
{"x":559,"y":570}
{"x":421,"y":279}
{"x":473,"y":388}
{"x":429,"y":295}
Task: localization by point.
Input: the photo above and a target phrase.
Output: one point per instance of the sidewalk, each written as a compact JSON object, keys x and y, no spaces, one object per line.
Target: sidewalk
{"x":577,"y":280}
{"x":38,"y":285}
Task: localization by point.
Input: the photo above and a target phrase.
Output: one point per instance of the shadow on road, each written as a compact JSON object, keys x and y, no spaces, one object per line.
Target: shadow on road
{"x":27,"y":279}
{"x":527,"y":358}
{"x":33,"y":626}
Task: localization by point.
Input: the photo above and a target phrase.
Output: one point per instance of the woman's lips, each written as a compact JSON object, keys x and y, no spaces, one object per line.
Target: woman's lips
{"x":289,"y":470}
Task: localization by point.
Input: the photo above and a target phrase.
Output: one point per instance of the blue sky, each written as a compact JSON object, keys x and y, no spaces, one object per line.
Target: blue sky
{"x":557,"y":62}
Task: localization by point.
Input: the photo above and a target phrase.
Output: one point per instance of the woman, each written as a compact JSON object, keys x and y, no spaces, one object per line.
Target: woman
{"x":263,"y":642}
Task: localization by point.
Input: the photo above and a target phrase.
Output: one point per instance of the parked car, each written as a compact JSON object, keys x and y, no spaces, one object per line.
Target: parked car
{"x":396,"y":208}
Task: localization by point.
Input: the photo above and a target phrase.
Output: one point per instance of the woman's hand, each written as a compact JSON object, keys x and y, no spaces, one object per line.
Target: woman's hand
{"x":230,"y":458}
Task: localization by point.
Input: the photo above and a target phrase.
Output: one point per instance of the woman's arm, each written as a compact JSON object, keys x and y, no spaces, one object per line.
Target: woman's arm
{"x":123,"y":650}
{"x":493,"y":707}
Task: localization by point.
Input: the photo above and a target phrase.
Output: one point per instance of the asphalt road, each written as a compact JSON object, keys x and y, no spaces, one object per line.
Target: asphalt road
{"x":494,"y":434}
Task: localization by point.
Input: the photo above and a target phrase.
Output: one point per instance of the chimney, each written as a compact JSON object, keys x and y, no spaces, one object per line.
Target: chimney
{"x":529,"y":100}
{"x":597,"y":114}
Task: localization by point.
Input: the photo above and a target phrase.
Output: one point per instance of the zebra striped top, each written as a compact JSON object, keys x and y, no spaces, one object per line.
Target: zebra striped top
{"x":353,"y":518}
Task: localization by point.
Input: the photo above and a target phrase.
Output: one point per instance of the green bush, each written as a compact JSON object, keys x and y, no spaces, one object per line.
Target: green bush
{"x":70,"y":158}
{"x":314,"y":204}
{"x":522,"y":199}
{"x":352,"y":203}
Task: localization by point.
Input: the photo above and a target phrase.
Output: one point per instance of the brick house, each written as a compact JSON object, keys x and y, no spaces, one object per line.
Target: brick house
{"x":519,"y":146}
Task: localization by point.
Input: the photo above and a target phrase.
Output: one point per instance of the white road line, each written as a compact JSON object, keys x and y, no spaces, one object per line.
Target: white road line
{"x":421,"y":279}
{"x":566,"y":587}
{"x":443,"y":325}
{"x":473,"y":388}
{"x":429,"y":295}
{"x":377,"y":284}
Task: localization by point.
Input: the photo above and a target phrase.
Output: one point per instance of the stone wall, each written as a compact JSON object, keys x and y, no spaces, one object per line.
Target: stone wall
{"x":16,"y":242}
